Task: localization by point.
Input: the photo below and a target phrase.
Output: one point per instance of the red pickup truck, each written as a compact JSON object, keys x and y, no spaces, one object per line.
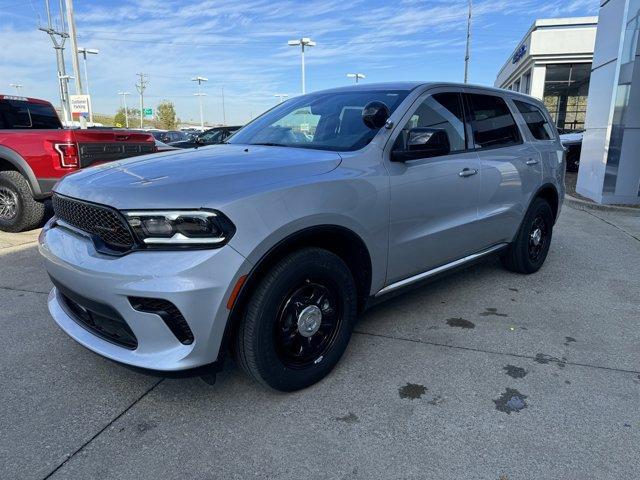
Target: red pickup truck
{"x":36,"y":151}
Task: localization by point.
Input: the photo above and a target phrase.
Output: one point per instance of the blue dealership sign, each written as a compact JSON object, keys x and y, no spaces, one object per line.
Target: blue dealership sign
{"x":520,"y":52}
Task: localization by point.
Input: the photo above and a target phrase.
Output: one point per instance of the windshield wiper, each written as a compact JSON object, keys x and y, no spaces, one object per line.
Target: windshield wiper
{"x":270,"y":144}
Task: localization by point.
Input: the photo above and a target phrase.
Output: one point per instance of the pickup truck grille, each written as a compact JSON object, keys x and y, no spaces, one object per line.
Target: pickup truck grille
{"x":107,"y":152}
{"x":105,"y":223}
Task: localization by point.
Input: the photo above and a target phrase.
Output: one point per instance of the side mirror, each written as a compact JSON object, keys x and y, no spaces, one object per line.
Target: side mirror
{"x":199,"y":140}
{"x":375,"y":114}
{"x":423,"y":143}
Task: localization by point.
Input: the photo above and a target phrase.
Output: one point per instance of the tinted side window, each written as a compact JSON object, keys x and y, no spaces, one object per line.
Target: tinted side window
{"x":537,"y":123}
{"x":21,"y":114}
{"x":493,"y":124}
{"x":15,"y":114}
{"x":443,"y":112}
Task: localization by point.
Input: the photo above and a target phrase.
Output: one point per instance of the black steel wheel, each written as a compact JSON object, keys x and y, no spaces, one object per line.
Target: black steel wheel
{"x":298,"y":321}
{"x":538,"y":238}
{"x":528,"y":251}
{"x":307,"y":323}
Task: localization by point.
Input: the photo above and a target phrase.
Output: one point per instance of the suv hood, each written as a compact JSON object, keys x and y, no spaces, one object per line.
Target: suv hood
{"x":206,"y":177}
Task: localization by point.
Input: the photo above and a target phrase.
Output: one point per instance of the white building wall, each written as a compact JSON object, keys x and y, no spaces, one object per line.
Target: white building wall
{"x":559,"y":40}
{"x":609,"y":167}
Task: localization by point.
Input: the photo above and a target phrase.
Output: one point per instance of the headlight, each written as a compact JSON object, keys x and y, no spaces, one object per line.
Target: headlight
{"x":181,"y":228}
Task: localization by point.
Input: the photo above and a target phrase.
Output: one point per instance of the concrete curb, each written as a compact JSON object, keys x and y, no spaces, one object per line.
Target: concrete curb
{"x":582,"y":204}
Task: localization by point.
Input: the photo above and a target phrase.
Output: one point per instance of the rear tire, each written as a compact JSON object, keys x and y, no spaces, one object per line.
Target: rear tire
{"x":529,"y":250}
{"x":298,"y":321}
{"x":19,"y":211}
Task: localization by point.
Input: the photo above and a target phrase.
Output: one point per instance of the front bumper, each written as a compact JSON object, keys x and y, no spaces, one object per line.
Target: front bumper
{"x":197,"y":282}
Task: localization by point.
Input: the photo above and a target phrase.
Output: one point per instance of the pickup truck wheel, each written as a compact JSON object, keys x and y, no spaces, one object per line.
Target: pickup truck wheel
{"x":18,"y":209}
{"x":298,"y":321}
{"x":530,"y":248}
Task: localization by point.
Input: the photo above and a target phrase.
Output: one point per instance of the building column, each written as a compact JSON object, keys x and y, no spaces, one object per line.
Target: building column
{"x":610,"y":163}
{"x":538,"y":76}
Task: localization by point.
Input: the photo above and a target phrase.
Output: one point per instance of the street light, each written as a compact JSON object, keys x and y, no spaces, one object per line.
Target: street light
{"x":467,"y":55}
{"x":85,"y":52}
{"x":303,"y":42}
{"x":200,"y":79}
{"x":357,"y":76}
{"x":281,"y":96}
{"x":64,"y":87}
{"x":126,"y":112}
{"x":17,"y":86}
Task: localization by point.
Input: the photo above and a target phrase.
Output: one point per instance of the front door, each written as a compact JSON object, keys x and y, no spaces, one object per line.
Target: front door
{"x":434,"y":192}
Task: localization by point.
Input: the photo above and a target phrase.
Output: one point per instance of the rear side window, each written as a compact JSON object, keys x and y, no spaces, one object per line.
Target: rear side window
{"x":22,"y":114}
{"x":536,"y":121}
{"x":493,"y":124}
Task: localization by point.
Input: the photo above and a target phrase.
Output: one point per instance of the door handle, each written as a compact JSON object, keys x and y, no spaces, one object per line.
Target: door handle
{"x":467,"y":172}
{"x":532,"y":161}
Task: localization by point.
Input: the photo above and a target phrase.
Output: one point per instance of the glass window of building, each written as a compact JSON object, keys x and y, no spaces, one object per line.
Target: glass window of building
{"x":565,"y":94}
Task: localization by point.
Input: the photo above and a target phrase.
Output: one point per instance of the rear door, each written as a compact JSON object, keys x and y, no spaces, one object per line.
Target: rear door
{"x":434,"y":198}
{"x":541,"y":133}
{"x":510,"y":167}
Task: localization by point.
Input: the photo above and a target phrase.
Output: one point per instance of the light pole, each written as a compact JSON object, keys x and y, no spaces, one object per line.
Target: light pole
{"x":17,"y":86}
{"x":281,"y":96}
{"x":58,"y":38}
{"x":224,"y":113}
{"x":467,"y":54}
{"x":64,"y":86}
{"x":126,"y":112}
{"x":302,"y":42}
{"x":200,"y":79}
{"x":85,"y":52}
{"x":357,"y":76}
{"x":71,"y":23}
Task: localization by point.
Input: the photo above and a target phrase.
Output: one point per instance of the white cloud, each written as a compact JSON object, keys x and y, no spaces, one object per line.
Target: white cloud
{"x":241,"y":45}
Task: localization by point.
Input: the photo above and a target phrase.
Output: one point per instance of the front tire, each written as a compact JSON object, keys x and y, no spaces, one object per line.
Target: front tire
{"x":298,"y":321}
{"x":529,"y":250}
{"x":19,"y":211}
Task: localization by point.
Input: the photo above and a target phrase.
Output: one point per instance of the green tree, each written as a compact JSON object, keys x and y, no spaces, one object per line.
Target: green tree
{"x":166,"y":115}
{"x":106,"y":120}
{"x":134,"y":117}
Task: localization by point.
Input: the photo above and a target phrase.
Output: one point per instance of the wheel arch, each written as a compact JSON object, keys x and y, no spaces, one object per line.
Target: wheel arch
{"x":10,"y":160}
{"x":549,"y":192}
{"x":339,"y":240}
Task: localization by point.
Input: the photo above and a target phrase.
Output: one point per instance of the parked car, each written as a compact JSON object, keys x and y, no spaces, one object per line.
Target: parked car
{"x":272,"y":244}
{"x":572,"y":141}
{"x":212,"y":136}
{"x":163,"y":147}
{"x":168,"y":136}
{"x":35,"y":152}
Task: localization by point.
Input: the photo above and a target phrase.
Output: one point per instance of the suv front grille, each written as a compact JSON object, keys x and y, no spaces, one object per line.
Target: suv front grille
{"x":103,"y":222}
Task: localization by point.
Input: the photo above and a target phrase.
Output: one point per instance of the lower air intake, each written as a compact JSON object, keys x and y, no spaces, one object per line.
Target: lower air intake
{"x":169,"y":313}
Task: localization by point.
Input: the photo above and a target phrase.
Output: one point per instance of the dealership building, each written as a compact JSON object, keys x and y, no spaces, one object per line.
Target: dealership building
{"x":587,"y":72}
{"x":553,"y":63}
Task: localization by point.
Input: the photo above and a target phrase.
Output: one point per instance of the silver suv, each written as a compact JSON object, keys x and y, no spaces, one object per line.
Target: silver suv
{"x":270,"y":245}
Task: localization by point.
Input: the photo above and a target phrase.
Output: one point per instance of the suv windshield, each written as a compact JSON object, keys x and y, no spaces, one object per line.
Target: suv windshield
{"x":323,"y":121}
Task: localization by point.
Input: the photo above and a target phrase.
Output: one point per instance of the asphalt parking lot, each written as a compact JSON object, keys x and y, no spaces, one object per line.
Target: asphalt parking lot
{"x":485,"y":374}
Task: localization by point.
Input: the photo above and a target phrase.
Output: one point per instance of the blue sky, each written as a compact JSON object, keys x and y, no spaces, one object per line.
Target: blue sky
{"x":242,"y":46}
